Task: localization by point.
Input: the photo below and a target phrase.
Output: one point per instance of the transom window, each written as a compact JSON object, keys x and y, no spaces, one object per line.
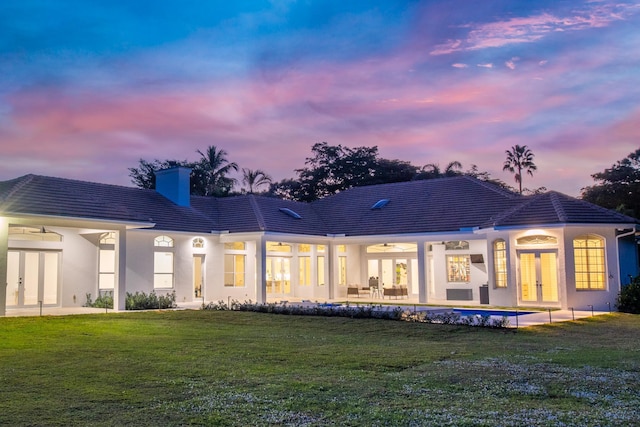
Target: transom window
{"x":458,"y":268}
{"x":163,"y":242}
{"x":456,"y":245}
{"x":278,"y":247}
{"x":500,"y":263}
{"x":235,"y":246}
{"x":21,"y":232}
{"x":392,"y":247}
{"x":538,"y":239}
{"x":588,"y":252}
{"x":304,"y":247}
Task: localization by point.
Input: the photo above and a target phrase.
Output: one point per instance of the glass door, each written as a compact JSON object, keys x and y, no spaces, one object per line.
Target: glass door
{"x":198,"y":277}
{"x":278,"y":276}
{"x":539,"y":276}
{"x":32,"y":277}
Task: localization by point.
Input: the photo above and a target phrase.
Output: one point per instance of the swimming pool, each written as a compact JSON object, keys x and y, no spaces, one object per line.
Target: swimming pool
{"x":482,"y":312}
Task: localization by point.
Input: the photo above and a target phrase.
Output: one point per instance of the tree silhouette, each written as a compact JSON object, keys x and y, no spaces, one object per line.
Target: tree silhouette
{"x":254,"y":179}
{"x":519,"y":158}
{"x":214,"y":168}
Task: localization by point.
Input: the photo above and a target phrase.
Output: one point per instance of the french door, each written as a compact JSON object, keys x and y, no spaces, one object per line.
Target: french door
{"x":278,"y":276}
{"x":32,"y":278}
{"x":538,"y":276}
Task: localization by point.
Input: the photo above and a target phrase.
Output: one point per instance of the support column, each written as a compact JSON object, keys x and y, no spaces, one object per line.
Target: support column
{"x":422,"y":274}
{"x":120,"y":288}
{"x":261,"y":268}
{"x":4,"y":247}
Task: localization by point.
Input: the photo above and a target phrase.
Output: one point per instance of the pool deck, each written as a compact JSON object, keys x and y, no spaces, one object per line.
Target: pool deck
{"x":520,"y":321}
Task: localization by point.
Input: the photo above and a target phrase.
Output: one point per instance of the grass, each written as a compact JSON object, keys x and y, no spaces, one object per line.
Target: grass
{"x":236,"y":369}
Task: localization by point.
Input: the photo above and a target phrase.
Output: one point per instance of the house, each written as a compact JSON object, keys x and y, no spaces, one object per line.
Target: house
{"x":444,"y":241}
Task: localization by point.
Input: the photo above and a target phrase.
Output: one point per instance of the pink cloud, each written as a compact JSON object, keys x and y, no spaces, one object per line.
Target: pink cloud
{"x":530,"y":29}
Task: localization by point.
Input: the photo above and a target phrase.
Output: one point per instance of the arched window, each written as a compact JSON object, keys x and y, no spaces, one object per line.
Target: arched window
{"x":500,"y":263}
{"x":163,"y":242}
{"x":163,"y":262}
{"x":588,"y":253}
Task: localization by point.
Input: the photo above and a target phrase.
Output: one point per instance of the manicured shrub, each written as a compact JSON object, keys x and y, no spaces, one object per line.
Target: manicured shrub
{"x":629,"y":297}
{"x":361,"y":312}
{"x":142,"y":301}
{"x":104,"y":300}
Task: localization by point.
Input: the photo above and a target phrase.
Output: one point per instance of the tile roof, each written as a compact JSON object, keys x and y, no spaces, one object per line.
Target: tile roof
{"x":435,"y":205}
{"x":41,"y":195}
{"x":429,"y":206}
{"x":553,"y":208}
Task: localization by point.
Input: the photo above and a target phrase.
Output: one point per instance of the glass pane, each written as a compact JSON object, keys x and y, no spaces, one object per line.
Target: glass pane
{"x":373,"y":273}
{"x":13,"y":277}
{"x":387,"y":272}
{"x":528,"y":277}
{"x":235,"y":246}
{"x":107,"y":260}
{"x":304,"y":271}
{"x":50,"y":285}
{"x":401,"y":272}
{"x":342,"y":270}
{"x":106,"y":281}
{"x":163,"y":262}
{"x":31,"y":277}
{"x":414,"y":276}
{"x":549,"y":277}
{"x":321,"y":271}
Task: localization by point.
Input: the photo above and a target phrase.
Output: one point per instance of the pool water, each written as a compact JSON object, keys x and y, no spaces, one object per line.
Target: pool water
{"x":481,"y":312}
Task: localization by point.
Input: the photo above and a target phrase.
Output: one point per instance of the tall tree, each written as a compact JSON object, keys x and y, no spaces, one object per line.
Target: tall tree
{"x":215,"y":167}
{"x":617,"y":187}
{"x":519,"y":159}
{"x":254,"y":179}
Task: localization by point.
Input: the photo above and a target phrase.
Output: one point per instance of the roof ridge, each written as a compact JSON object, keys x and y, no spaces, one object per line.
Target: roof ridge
{"x":592,"y":205}
{"x":257,"y":211}
{"x":512,"y":210}
{"x":557,"y":206}
{"x":492,"y":187}
{"x":22,"y":181}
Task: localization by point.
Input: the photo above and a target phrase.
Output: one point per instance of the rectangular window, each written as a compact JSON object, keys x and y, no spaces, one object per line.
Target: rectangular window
{"x":590,"y":263}
{"x":342,"y":270}
{"x":106,"y":269}
{"x":234,"y":270}
{"x":500,"y":263}
{"x":163,"y":269}
{"x":320,"y":271}
{"x":458,"y":268}
{"x":305,"y":271}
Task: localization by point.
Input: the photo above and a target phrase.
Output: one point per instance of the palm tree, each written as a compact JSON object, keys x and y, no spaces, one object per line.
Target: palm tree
{"x":215,"y":166}
{"x":254,"y":178}
{"x":432,"y":170}
{"x":519,"y":158}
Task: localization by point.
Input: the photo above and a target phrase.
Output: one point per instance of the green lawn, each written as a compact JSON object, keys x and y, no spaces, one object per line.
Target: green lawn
{"x":237,"y":369}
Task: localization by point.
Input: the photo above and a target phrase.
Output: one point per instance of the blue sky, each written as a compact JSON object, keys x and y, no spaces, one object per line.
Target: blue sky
{"x":88,"y":88}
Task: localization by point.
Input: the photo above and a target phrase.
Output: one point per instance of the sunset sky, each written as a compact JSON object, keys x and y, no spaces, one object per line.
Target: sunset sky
{"x":89,"y":87}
